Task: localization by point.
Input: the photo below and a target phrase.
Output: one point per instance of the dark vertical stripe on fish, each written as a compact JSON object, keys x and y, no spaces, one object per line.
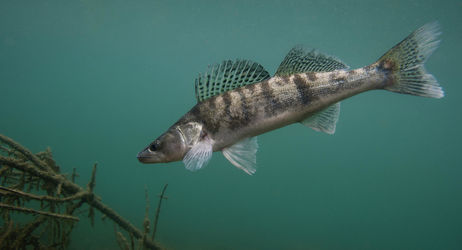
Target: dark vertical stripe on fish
{"x":202,"y":112}
{"x":244,"y":105}
{"x":272,"y":103}
{"x":311,"y":76}
{"x":302,"y":89}
{"x":234,"y":120}
{"x":227,"y":102}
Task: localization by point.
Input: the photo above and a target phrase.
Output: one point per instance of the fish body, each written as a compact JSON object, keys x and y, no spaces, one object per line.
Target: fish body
{"x":238,"y":100}
{"x":279,"y":101}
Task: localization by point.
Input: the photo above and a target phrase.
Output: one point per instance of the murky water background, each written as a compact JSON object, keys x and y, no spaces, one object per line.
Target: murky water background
{"x":99,"y":80}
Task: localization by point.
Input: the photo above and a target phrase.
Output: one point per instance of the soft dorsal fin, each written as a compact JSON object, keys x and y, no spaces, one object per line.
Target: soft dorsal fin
{"x":299,"y":60}
{"x":227,"y":76}
{"x":325,"y":120}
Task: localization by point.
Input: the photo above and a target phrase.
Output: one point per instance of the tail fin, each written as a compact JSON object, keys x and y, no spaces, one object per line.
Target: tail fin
{"x":406,"y":60}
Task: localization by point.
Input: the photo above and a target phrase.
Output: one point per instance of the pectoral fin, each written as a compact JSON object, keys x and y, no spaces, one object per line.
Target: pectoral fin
{"x":199,"y":155}
{"x":325,"y":120}
{"x":243,"y":154}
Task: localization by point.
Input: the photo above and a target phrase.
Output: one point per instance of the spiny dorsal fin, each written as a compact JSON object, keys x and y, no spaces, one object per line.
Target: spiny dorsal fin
{"x":299,"y":60}
{"x":227,"y":76}
{"x":325,"y":120}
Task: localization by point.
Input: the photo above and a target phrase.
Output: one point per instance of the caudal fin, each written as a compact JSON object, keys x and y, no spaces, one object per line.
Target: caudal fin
{"x":406,"y":61}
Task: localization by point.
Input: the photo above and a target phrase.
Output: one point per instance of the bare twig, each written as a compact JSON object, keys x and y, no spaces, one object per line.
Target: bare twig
{"x":33,"y":211}
{"x":7,"y":150}
{"x":145,"y":220}
{"x":27,"y":230}
{"x":161,"y":197}
{"x":8,"y":230}
{"x":74,"y":175}
{"x":91,"y":184}
{"x":40,"y":197}
{"x":121,"y":240}
{"x":90,"y":197}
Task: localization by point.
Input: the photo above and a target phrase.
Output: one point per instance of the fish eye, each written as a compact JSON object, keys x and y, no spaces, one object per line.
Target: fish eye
{"x":154,"y":146}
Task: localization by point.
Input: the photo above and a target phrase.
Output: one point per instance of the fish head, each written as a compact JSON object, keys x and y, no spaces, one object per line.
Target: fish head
{"x":173,"y":144}
{"x":166,"y":148}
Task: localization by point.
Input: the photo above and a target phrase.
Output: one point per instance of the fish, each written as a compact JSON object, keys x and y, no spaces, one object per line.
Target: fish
{"x":237,"y":100}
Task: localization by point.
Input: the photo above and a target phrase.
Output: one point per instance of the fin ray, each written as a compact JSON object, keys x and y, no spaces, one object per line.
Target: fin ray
{"x":300,"y":60}
{"x":243,"y":154}
{"x":325,"y":120}
{"x":199,"y":155}
{"x":227,"y":76}
{"x":406,"y":62}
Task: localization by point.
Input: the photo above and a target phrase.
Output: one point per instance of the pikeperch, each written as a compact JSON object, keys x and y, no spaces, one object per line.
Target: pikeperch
{"x":238,"y":100}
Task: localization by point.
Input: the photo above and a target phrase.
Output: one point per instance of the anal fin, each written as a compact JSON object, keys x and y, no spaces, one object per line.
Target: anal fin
{"x":243,"y":154}
{"x":325,"y":120}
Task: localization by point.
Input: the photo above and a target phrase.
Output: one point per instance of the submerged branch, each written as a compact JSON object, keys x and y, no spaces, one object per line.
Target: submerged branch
{"x":33,"y":211}
{"x":40,"y":197}
{"x":46,"y":171}
{"x":29,"y":155}
{"x":91,"y":184}
{"x":121,"y":240}
{"x":161,"y":197}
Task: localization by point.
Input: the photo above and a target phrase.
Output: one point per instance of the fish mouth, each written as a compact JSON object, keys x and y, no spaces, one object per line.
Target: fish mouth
{"x":142,"y":157}
{"x":147,"y":157}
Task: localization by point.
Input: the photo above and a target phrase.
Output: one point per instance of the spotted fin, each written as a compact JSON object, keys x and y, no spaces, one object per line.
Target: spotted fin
{"x":406,"y":62}
{"x":243,"y":154}
{"x":199,"y":155}
{"x":298,"y":60}
{"x":227,"y":76}
{"x":324,"y":121}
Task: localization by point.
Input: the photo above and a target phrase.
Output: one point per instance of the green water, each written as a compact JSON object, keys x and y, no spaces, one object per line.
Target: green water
{"x":99,"y":80}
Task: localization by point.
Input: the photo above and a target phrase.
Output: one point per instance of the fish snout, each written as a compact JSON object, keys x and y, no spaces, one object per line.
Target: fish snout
{"x":143,"y":156}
